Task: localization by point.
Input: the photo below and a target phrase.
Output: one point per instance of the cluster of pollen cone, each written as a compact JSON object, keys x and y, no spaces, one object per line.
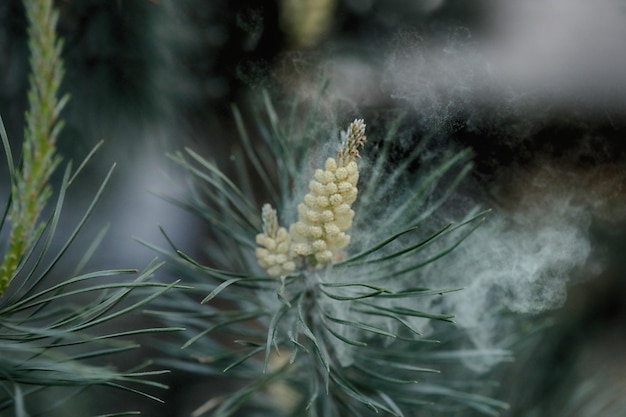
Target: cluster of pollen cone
{"x":326,"y":214}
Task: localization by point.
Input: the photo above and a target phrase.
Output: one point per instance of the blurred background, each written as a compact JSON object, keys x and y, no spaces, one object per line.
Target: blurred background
{"x":536,"y":89}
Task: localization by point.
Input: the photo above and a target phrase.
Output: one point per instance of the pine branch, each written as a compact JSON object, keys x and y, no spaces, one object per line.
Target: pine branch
{"x":334,"y":319}
{"x":51,"y":333}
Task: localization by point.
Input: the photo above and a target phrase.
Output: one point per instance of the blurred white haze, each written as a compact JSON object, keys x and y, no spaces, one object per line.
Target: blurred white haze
{"x":558,"y":50}
{"x":570,"y":48}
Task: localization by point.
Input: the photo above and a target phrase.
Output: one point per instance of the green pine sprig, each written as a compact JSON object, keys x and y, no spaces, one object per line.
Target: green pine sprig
{"x":29,"y":184}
